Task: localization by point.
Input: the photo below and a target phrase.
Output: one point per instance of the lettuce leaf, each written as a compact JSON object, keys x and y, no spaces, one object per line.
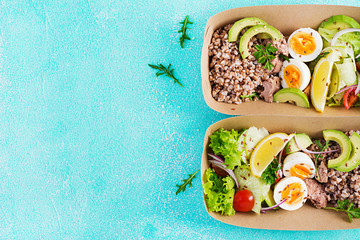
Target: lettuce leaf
{"x":225,"y":143}
{"x":219,"y":193}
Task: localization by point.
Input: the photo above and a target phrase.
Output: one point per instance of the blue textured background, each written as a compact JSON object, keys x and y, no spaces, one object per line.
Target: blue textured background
{"x":92,"y":144}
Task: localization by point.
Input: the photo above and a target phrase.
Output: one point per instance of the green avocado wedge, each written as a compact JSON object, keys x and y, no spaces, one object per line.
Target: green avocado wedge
{"x":245,"y":39}
{"x":235,"y":30}
{"x":354,"y":159}
{"x":345,"y":145}
{"x":332,"y":25}
{"x":303,"y":140}
{"x":292,"y":95}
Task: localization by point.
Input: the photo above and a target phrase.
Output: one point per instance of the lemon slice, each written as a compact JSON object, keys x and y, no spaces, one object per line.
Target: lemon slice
{"x":321,"y":78}
{"x":266,"y":150}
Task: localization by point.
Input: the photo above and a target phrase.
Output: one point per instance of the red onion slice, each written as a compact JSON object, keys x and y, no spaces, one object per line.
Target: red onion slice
{"x":342,"y":32}
{"x":263,"y":210}
{"x":344,"y":89}
{"x":229,"y":171}
{"x":312,"y":152}
{"x":216,"y":157}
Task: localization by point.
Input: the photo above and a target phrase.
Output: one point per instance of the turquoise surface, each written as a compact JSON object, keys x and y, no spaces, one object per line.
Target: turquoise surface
{"x":92,"y":144}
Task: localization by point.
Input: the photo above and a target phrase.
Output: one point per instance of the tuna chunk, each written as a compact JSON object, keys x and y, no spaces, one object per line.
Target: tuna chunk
{"x":270,"y":86}
{"x":323,"y":173}
{"x":316,"y":193}
{"x":277,"y":62}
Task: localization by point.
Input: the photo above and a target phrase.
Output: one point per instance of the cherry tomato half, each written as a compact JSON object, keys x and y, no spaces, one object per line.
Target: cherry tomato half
{"x":350,"y":98}
{"x":243,"y":201}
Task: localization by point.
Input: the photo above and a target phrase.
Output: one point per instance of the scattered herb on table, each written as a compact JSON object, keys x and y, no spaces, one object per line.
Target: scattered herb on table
{"x":183,"y":29}
{"x":167,"y":71}
{"x":270,"y":174}
{"x":265,"y":54}
{"x":188,"y":181}
{"x":348,"y":207}
{"x":317,"y":156}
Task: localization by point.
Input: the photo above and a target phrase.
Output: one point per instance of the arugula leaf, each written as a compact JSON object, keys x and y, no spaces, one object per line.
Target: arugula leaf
{"x":348,"y":207}
{"x":167,"y":71}
{"x":188,"y":181}
{"x":183,"y":29}
{"x":270,"y":174}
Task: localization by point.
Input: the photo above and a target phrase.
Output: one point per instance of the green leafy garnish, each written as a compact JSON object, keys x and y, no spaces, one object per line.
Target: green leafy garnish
{"x":321,"y":55}
{"x":265,"y":54}
{"x":183,"y":29}
{"x":270,"y":174}
{"x":348,"y":207}
{"x":225,"y":143}
{"x":167,"y":71}
{"x":250,"y":96}
{"x":187,"y":181}
{"x":317,"y":156}
{"x":219,"y":193}
{"x":286,"y":58}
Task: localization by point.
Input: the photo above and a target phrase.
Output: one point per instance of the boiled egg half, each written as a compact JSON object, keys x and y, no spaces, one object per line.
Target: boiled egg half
{"x":294,"y":74}
{"x":305,"y":44}
{"x":300,"y":165}
{"x":294,"y":190}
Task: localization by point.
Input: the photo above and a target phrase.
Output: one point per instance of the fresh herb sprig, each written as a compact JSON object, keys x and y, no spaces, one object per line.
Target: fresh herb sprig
{"x":270,"y":174}
{"x":265,"y":54}
{"x":317,"y":156}
{"x":167,"y":71}
{"x":183,"y":29}
{"x":348,"y":207}
{"x":187,"y":181}
{"x":250,"y":96}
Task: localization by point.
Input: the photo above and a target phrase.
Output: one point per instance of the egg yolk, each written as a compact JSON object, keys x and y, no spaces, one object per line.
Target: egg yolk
{"x":292,"y":76}
{"x":293,"y":193}
{"x":300,"y":170}
{"x":303,"y":43}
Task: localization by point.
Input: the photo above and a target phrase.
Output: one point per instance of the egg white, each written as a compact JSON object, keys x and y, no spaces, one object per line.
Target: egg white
{"x":281,"y":185}
{"x":304,"y":70}
{"x":318,"y":42}
{"x":298,"y":158}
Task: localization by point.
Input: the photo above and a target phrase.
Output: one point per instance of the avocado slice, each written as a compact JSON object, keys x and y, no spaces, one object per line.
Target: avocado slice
{"x":244,"y":40}
{"x":345,"y":145}
{"x":332,"y":25}
{"x":354,"y":159}
{"x":292,"y":95}
{"x":302,"y":139}
{"x":269,"y":199}
{"x":235,"y":30}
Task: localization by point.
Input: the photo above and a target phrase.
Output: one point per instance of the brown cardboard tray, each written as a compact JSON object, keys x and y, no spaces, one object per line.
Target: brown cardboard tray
{"x":307,"y":217}
{"x":285,"y":18}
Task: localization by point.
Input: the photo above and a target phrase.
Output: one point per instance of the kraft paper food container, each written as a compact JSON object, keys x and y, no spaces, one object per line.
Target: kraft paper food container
{"x":285,"y":18}
{"x":307,"y":217}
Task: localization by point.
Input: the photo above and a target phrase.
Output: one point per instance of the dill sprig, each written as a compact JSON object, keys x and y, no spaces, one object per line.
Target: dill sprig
{"x":183,"y":29}
{"x":167,"y":71}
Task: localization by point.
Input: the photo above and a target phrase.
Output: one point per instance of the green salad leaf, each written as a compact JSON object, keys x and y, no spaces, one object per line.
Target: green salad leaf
{"x":219,"y":193}
{"x":270,"y":174}
{"x":225,"y":143}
